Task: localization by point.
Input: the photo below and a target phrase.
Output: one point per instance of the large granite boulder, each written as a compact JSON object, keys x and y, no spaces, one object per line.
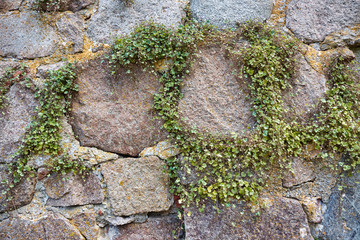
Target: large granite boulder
{"x":313,"y":20}
{"x":15,"y":117}
{"x":227,"y":13}
{"x":137,"y":185}
{"x":23,"y":35}
{"x":214,"y":99}
{"x":282,"y":218}
{"x":115,"y":18}
{"x":71,"y":190}
{"x":114,"y":112}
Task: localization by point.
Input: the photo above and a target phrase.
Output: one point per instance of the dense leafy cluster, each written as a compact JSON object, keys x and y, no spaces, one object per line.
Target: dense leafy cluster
{"x":225,"y":168}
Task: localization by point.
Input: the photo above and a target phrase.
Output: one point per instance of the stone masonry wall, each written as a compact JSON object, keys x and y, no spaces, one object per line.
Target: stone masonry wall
{"x":112,"y":124}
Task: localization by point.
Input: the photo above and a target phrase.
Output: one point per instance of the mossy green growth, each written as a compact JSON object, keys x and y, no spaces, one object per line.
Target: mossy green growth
{"x":43,"y":135}
{"x":225,"y":168}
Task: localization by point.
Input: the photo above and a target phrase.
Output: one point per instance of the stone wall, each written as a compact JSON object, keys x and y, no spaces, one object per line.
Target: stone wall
{"x":112,"y":124}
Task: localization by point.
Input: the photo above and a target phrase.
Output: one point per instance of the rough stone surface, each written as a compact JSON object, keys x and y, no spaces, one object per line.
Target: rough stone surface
{"x":227,"y":13}
{"x":94,"y":155}
{"x":115,"y":18}
{"x":20,"y":195}
{"x":313,"y":209}
{"x":163,"y":150}
{"x":7,"y":5}
{"x":309,"y":87}
{"x":282,"y":218}
{"x":67,"y":5}
{"x":4,"y":65}
{"x":137,"y":185}
{"x":156,"y":228}
{"x":113,"y":112}
{"x":349,"y":36}
{"x":342,"y":216}
{"x":71,"y":190}
{"x":52,"y":226}
{"x":70,"y":27}
{"x":86,"y":223}
{"x":213,"y":97}
{"x":321,"y":187}
{"x":43,"y":70}
{"x":301,"y":171}
{"x":23,"y":35}
{"x":16,"y":118}
{"x":313,"y":20}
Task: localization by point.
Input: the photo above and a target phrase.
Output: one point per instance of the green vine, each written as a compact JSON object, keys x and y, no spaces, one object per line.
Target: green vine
{"x":226,"y":168}
{"x":43,"y":135}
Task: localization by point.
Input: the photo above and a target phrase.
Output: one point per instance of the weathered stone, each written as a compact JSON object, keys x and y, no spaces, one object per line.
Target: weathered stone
{"x":86,"y":223}
{"x":227,"y":13}
{"x":5,"y":65}
{"x":23,"y":35}
{"x":137,"y":185}
{"x":70,"y":27}
{"x":156,"y":228}
{"x":320,"y":61}
{"x":278,"y":14}
{"x":114,"y":112}
{"x":281,"y":218}
{"x":321,"y":187}
{"x":313,"y":20}
{"x":43,"y":70}
{"x":20,"y":195}
{"x":71,"y":190}
{"x":53,"y":226}
{"x":213,"y":97}
{"x":347,"y":37}
{"x":115,"y":18}
{"x":16,"y":228}
{"x":94,"y":155}
{"x":16,"y":117}
{"x":309,"y":87}
{"x":8,"y":5}
{"x":66,"y":5}
{"x":299,"y":173}
{"x":163,"y":150}
{"x":312,"y":208}
{"x":342,"y":216}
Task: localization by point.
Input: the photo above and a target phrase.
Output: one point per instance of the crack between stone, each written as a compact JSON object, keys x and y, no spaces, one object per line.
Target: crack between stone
{"x":299,"y":185}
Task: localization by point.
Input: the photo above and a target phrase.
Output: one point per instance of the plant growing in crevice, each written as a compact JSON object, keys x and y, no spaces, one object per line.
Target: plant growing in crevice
{"x":225,"y":168}
{"x":43,"y":135}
